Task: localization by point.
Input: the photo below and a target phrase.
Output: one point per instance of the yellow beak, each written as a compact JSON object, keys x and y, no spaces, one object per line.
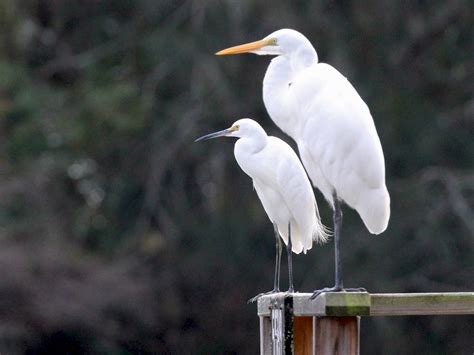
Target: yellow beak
{"x":247,"y":47}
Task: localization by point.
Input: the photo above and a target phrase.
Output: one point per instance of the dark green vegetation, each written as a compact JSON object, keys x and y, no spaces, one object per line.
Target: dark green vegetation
{"x":120,"y":235}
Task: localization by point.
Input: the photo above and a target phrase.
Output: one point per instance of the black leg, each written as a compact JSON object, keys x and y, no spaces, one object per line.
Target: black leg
{"x":276,"y":281}
{"x":337,"y":219}
{"x":291,"y":288}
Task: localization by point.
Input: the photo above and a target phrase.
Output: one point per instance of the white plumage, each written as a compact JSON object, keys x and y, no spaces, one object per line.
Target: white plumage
{"x":317,"y":106}
{"x":281,"y":184}
{"x":280,"y":181}
{"x":335,"y":133}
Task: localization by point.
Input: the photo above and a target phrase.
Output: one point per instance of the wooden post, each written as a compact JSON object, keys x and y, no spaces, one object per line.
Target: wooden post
{"x":330,"y":324}
{"x":336,"y":335}
{"x":278,"y":326}
{"x":304,"y":327}
{"x":265,"y":336}
{"x":303,"y":335}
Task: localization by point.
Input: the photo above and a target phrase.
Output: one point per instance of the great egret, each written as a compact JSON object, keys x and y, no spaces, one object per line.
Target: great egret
{"x":283,"y":187}
{"x":317,"y":106}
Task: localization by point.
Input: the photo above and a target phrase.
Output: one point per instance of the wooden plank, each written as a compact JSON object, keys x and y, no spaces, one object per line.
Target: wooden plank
{"x":278,"y":325}
{"x":265,"y":303}
{"x":327,"y":304}
{"x":303,"y":335}
{"x":340,"y":304}
{"x":404,"y":304}
{"x":383,"y":304}
{"x":337,"y":335}
{"x":265,"y":336}
{"x":284,"y":324}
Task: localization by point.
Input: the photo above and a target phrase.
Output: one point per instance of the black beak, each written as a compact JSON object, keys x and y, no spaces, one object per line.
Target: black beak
{"x":222,"y":133}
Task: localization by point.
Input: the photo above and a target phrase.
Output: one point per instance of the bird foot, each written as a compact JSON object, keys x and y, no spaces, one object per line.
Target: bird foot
{"x":253,"y":299}
{"x":289,"y":292}
{"x":316,"y":293}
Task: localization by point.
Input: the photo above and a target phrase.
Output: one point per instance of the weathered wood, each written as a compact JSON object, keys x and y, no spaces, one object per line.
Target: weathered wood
{"x":293,"y":322}
{"x":278,"y":325}
{"x":303,"y":335}
{"x":330,"y":324}
{"x":337,"y":335}
{"x":327,"y":304}
{"x":265,"y":336}
{"x":404,"y":304}
{"x":377,"y":304}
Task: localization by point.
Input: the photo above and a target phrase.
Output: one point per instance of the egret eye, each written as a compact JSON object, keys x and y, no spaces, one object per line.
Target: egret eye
{"x":235,"y":128}
{"x":273,"y":42}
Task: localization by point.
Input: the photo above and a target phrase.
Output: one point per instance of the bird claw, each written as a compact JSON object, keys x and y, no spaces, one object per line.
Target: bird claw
{"x":253,"y":299}
{"x":316,"y":293}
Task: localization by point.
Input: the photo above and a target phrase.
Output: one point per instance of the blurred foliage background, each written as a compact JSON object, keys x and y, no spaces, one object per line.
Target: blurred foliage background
{"x":119,"y":235}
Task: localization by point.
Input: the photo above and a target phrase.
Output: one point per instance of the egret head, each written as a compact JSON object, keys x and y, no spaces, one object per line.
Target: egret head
{"x":244,"y":127}
{"x":281,"y":42}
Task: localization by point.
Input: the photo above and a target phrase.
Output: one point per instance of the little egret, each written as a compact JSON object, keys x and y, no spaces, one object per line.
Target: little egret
{"x":283,"y":187}
{"x":317,"y":106}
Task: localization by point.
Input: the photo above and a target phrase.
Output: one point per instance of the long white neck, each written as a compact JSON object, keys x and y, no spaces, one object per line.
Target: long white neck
{"x":252,"y":142}
{"x":277,"y":86}
{"x":247,"y":146}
